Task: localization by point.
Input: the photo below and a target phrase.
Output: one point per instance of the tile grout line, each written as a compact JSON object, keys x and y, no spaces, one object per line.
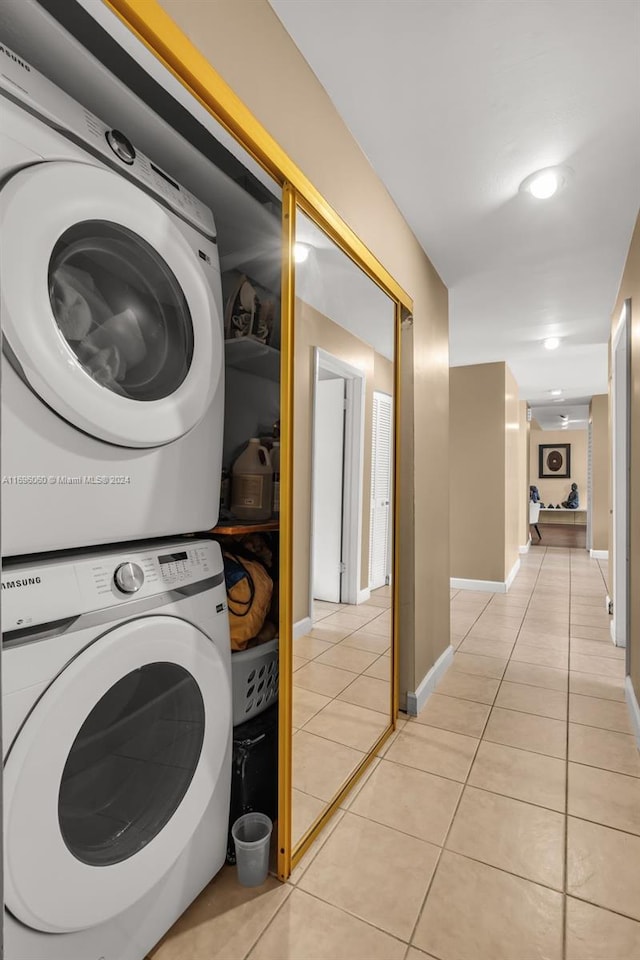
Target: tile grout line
{"x":255,"y":942}
{"x":464,"y":786}
{"x":334,"y":699}
{"x":353,"y":916}
{"x":453,"y":816}
{"x":337,"y":695}
{"x":565,"y":867}
{"x":480,"y":740}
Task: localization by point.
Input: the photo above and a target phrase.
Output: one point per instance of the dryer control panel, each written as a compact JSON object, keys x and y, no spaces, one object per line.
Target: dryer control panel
{"x":75,"y":583}
{"x":25,"y":84}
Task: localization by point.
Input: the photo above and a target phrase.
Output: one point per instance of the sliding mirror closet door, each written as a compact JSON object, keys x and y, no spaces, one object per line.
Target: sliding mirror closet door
{"x":343,"y":467}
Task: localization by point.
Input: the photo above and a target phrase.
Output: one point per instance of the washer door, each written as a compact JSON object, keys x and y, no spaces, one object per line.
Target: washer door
{"x":112,"y":772}
{"x":105,"y":305}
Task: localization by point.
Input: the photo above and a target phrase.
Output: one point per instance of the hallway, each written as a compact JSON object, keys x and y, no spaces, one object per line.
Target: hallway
{"x":501,"y":824}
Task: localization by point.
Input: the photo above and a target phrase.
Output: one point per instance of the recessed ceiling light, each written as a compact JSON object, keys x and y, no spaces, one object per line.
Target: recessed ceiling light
{"x":552,"y":343}
{"x":300,"y":252}
{"x":545,"y":183}
{"x":555,"y":393}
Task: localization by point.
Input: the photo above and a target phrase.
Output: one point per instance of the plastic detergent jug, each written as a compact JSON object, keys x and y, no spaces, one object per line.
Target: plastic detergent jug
{"x":252,"y":483}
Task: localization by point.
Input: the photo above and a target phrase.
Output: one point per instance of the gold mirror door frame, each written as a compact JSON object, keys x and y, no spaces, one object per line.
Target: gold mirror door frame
{"x":295,"y":209}
{"x":150,"y":23}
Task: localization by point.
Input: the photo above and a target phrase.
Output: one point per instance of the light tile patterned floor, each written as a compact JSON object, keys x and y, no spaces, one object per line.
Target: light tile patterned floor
{"x":341,"y":699}
{"x":501,"y":824}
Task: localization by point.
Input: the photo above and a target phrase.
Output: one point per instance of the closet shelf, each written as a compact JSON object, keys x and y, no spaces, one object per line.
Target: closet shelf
{"x":234,"y":528}
{"x":253,"y":357}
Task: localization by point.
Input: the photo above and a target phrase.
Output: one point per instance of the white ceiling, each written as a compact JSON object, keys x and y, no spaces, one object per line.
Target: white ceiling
{"x":455,"y":102}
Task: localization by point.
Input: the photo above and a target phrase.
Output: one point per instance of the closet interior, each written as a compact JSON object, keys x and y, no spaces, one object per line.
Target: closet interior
{"x":339,"y":678}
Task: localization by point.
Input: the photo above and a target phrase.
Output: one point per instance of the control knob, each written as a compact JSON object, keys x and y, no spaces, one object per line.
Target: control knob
{"x":129,"y":577}
{"x":121,"y":146}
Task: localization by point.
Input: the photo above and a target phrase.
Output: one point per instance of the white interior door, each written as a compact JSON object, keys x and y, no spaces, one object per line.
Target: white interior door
{"x":589,"y":485}
{"x":381,"y":461}
{"x":620,"y":389}
{"x":328,"y":482}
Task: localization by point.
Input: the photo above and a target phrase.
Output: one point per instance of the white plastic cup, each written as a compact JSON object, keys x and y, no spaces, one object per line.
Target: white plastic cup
{"x":252,"y":835}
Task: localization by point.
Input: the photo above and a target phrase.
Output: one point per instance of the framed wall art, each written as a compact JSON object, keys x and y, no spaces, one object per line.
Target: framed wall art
{"x":554,"y":461}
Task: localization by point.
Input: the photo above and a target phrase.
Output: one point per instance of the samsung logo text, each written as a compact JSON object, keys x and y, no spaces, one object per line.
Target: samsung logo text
{"x":22,"y":582}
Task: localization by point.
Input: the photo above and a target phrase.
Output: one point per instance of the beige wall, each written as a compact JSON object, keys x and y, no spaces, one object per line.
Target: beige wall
{"x":600,"y":467}
{"x":477,"y":469}
{"x":630,"y":288}
{"x":313,"y":329}
{"x":246,"y":43}
{"x":513,"y":471}
{"x":555,"y":491}
{"x":382,"y":374}
{"x":489,"y":469}
{"x":525,"y":433}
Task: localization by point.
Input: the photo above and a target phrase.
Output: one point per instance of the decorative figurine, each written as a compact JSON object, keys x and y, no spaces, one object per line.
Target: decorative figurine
{"x":573,"y":500}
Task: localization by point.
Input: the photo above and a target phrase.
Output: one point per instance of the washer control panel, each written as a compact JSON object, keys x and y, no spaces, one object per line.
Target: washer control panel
{"x":153,"y":571}
{"x":41,"y":591}
{"x":25,"y":83}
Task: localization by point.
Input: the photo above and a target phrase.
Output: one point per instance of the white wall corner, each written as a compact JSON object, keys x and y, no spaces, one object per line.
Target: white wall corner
{"x":364,"y":595}
{"x":599,"y":554}
{"x":488,"y":586}
{"x":525,"y":548}
{"x":416,"y":700}
{"x":634,"y":708}
{"x":613,"y":630}
{"x":512,"y":575}
{"x":302,"y":627}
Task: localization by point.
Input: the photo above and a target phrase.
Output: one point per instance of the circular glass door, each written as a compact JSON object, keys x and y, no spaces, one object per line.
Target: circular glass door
{"x":120,"y":308}
{"x":109,"y":313}
{"x":131,"y":763}
{"x":112,"y":772}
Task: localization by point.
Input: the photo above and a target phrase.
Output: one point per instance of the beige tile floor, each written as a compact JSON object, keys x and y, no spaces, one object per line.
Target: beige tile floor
{"x":501,"y":824}
{"x":341,"y":699}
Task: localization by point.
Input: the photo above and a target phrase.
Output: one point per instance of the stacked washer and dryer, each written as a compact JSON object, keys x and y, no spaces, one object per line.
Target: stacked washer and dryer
{"x":116,"y":660}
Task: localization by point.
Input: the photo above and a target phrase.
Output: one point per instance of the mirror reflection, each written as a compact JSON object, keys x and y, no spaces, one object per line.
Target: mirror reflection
{"x":342,"y":521}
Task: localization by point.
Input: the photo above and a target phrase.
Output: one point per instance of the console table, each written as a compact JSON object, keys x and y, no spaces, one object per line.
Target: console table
{"x":563,"y":515}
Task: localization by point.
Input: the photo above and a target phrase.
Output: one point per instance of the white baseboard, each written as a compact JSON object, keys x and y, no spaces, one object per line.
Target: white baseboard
{"x":599,"y":554}
{"x":364,"y":595}
{"x":416,"y":700}
{"x":302,"y":627}
{"x":512,"y":574}
{"x":525,"y":548}
{"x":634,"y":708}
{"x":486,"y":586}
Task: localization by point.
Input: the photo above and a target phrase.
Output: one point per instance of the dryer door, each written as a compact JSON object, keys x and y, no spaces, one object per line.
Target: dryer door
{"x":105,"y":306}
{"x":112,"y":772}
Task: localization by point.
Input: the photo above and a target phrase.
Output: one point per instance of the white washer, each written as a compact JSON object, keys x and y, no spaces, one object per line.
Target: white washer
{"x":117,"y":737}
{"x":112,"y":362}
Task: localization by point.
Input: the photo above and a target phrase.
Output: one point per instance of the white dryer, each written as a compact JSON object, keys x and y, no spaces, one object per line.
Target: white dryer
{"x":112,"y":342}
{"x":117,"y":738}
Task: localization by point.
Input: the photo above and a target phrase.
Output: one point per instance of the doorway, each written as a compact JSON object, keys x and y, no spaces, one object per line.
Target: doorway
{"x":620,"y":384}
{"x":337,"y":475}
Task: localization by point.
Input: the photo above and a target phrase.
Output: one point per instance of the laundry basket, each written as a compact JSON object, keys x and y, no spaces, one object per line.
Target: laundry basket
{"x":255,"y":680}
